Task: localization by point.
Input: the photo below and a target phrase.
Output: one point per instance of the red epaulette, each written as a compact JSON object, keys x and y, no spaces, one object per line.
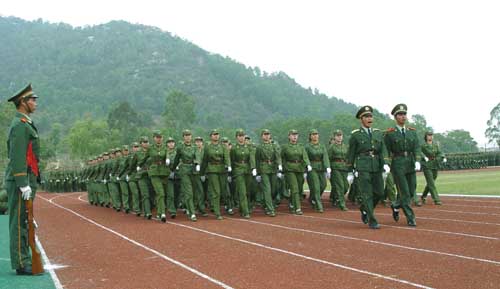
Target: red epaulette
{"x":411,"y":128}
{"x":24,"y":120}
{"x":391,"y":129}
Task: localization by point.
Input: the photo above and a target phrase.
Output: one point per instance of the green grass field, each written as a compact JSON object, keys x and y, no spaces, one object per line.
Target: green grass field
{"x":478,"y":182}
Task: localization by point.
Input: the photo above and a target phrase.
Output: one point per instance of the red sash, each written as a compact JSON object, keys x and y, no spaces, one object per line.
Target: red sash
{"x":31,"y":160}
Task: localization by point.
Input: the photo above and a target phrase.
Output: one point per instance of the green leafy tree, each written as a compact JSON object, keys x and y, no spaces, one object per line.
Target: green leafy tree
{"x":179,"y":112}
{"x":126,"y":121}
{"x":493,"y":130}
{"x":456,"y":141}
{"x":91,"y":137}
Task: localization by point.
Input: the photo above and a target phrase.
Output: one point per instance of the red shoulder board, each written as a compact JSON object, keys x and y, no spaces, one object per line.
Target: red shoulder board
{"x":24,"y":120}
{"x":391,"y":129}
{"x":411,"y":128}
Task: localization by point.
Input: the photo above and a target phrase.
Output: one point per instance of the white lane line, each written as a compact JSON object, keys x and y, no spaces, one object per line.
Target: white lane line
{"x":459,"y":212}
{"x":202,"y":275}
{"x":458,"y":197}
{"x":302,"y":256}
{"x":5,"y":259}
{"x":371,"y":241}
{"x":48,"y":266}
{"x":405,"y":228}
{"x":472,"y":206}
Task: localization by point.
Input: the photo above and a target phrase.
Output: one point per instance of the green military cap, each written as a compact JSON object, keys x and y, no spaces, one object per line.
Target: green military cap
{"x":293,"y":131}
{"x":364,"y":110}
{"x":338,"y":132}
{"x":170,"y":139}
{"x":112,"y":151}
{"x":157,"y":133}
{"x":125,"y":147}
{"x":198,"y":138}
{"x":26,"y":92}
{"x":247,"y":137}
{"x":429,"y":133}
{"x":186,"y":132}
{"x":144,"y":139}
{"x":214,"y":131}
{"x":224,"y":139}
{"x":135,"y":144}
{"x":313,"y":131}
{"x":118,"y":150}
{"x":105,"y":154}
{"x":240,"y":132}
{"x":399,"y":108}
{"x":265,"y":131}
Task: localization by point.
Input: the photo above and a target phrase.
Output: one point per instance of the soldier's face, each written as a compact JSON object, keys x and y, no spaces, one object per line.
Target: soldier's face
{"x":158,"y":139}
{"x":367,"y":120}
{"x":31,"y":105}
{"x":171,"y":144}
{"x":428,"y":138}
{"x":339,"y":138}
{"x":266,"y":136}
{"x":199,"y":143}
{"x":214,"y":137}
{"x":401,"y":118}
{"x":293,"y":138}
{"x":187,"y":138}
{"x":314,"y":137}
{"x":145,"y":144}
{"x":135,"y":149}
{"x":241,"y":139}
{"x":125,"y":152}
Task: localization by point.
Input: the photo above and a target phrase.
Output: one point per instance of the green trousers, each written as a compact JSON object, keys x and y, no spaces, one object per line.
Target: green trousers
{"x":20,"y":255}
{"x":146,"y":197}
{"x":317,"y":184}
{"x":199,"y":194}
{"x":226,"y":195}
{"x":242,"y":186}
{"x":171,"y":204}
{"x":390,"y":189}
{"x":371,"y":186}
{"x":406,"y":184}
{"x":340,"y":186}
{"x":215,"y":183}
{"x":268,"y":187}
{"x":430,"y":178}
{"x":114,"y":192}
{"x":136,"y":196}
{"x":124,"y":195}
{"x":160,"y":187}
{"x":295,"y":181}
{"x":187,"y":186}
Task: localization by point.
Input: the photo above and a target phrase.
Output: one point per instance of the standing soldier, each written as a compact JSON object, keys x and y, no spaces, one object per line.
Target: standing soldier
{"x":188,"y":160}
{"x":199,"y":192}
{"x":295,"y":160}
{"x":131,"y":178}
{"x":402,"y":144}
{"x":113,"y":188}
{"x":122,"y":178}
{"x":21,"y":177}
{"x":158,"y":173}
{"x":432,"y":156}
{"x":366,"y":159}
{"x":170,"y":200}
{"x":320,"y":163}
{"x":216,"y":165}
{"x":268,"y":161}
{"x":226,"y":193}
{"x":337,"y":153}
{"x":142,"y":176}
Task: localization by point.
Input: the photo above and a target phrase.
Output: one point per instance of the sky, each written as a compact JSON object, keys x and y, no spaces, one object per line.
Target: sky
{"x":441,"y":58}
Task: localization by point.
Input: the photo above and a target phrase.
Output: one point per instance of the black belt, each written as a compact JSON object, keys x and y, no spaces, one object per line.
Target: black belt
{"x":294,"y":161}
{"x":402,"y":154}
{"x":369,"y":153}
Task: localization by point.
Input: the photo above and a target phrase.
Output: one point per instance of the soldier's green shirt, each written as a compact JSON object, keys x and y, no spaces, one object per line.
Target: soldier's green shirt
{"x":318,"y":156}
{"x":123,"y":165}
{"x":337,"y":153}
{"x":187,"y":156}
{"x":132,"y":165}
{"x":404,"y":149}
{"x":365,"y":153}
{"x":267,"y":158}
{"x":157,"y":154}
{"x":434,"y":154}
{"x":294,"y":158}
{"x":200,"y":152}
{"x":242,"y":159}
{"x":22,"y":133}
{"x":216,"y":158}
{"x":142,"y":158}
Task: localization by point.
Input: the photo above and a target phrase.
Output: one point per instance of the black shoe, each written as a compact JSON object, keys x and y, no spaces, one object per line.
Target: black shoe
{"x":395,"y":214}
{"x":163,"y":218}
{"x":172,"y":216}
{"x":149,"y":216}
{"x":412,"y":223}
{"x":24,"y":271}
{"x":374,"y":226}
{"x":364,"y":217}
{"x":127,"y":211}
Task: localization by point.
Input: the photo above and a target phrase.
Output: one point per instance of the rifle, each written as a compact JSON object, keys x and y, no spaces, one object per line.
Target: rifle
{"x":36,"y":259}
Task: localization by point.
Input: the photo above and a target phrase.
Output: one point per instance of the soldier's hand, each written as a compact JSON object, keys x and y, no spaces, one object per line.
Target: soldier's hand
{"x":279,"y":175}
{"x":350,"y":178}
{"x":387,"y":169}
{"x":254,"y":172}
{"x":229,"y":169}
{"x":384,"y":175}
{"x":203,"y":178}
{"x":167,"y":161}
{"x":171,"y":176}
{"x":138,"y":168}
{"x":118,"y":178}
{"x":309,"y":168}
{"x":280,"y":168}
{"x":229,"y":179}
{"x":26,"y":192}
{"x":444,"y":160}
{"x":417,"y":166}
{"x":127,"y":178}
{"x":258,"y":179}
{"x":305,"y":176}
{"x":197,"y":168}
{"x":328,"y":170}
{"x":426,"y":159}
{"x":104,"y":181}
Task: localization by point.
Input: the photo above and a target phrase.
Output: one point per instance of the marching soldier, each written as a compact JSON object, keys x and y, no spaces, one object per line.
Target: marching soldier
{"x":132,"y":179}
{"x":337,"y":153}
{"x":430,"y":165}
{"x":171,"y":200}
{"x":199,"y":191}
{"x":142,"y":176}
{"x":320,"y":163}
{"x":122,"y":177}
{"x":402,"y":143}
{"x":158,"y":173}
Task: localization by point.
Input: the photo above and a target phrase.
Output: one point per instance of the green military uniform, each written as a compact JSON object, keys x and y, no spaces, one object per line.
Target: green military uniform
{"x":268,"y":162}
{"x":21,"y":175}
{"x":158,"y":172}
{"x":122,"y":178}
{"x":430,"y":165}
{"x":243,"y":163}
{"x":226,"y":187}
{"x":171,"y":202}
{"x":199,"y":192}
{"x":188,"y":159}
{"x":132,"y":180}
{"x":216,"y":161}
{"x":337,"y":154}
{"x":113,"y":186}
{"x":316,"y":179}
{"x":367,"y":156}
{"x":143,"y":179}
{"x":295,"y":160}
{"x":403,"y":145}
{"x":4,"y":204}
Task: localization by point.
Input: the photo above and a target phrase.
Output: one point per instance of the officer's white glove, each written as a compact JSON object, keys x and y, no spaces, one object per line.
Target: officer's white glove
{"x":279,"y":175}
{"x":229,"y":179}
{"x":229,"y":169}
{"x":110,"y":175}
{"x":356,"y":174}
{"x":254,"y":172}
{"x":26,"y":192}
{"x":417,"y":166}
{"x":328,"y":170}
{"x":117,"y":178}
{"x":105,"y":182}
{"x":309,"y":168}
{"x":280,"y":168}
{"x":127,"y":178}
{"x":197,"y":168}
{"x":171,"y":176}
{"x":203,"y":178}
{"x":258,"y":179}
{"x":167,"y":161}
{"x":305,"y":176}
{"x":350,"y":178}
{"x":444,"y":160}
{"x":138,"y":168}
{"x":387,"y":169}
{"x":426,"y":159}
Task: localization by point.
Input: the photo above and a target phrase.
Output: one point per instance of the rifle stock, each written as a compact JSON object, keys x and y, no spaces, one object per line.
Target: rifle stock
{"x":36,"y":258}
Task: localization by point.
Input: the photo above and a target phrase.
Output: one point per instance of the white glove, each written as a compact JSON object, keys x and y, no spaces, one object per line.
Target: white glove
{"x":426,"y":158}
{"x":280,"y":168}
{"x":309,"y":168}
{"x":203,"y":178}
{"x":387,"y":169}
{"x":328,"y":170}
{"x":254,"y":172}
{"x":197,"y":168}
{"x":167,"y":161}
{"x":171,"y":176}
{"x":328,"y":175}
{"x":444,"y":160}
{"x":417,"y":166}
{"x":229,"y":179}
{"x":305,"y":176}
{"x":105,"y":181}
{"x":279,"y":175}
{"x":110,"y":175}
{"x":384,"y":175}
{"x":258,"y":179}
{"x":138,"y":168}
{"x":356,"y":174}
{"x":26,"y":192}
{"x":350,"y":178}
{"x":229,"y":169}
{"x":127,"y":178}
{"x":117,"y":178}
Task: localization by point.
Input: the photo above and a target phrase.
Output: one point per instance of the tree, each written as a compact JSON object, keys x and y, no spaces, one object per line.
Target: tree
{"x":456,"y":141}
{"x":179,"y":112}
{"x":124,"y":119}
{"x":493,"y":130}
